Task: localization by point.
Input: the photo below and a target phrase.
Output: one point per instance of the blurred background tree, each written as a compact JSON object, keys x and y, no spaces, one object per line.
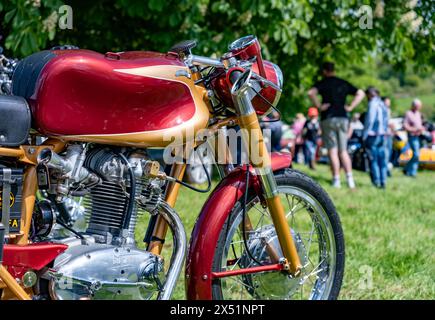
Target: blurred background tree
{"x":396,"y":53}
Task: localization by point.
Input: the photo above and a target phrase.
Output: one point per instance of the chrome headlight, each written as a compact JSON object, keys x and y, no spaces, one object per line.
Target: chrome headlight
{"x":280,"y":83}
{"x":279,"y":76}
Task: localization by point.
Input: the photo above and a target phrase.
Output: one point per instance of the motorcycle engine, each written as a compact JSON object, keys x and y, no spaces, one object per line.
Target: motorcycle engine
{"x":101,"y":272}
{"x":104,"y":263}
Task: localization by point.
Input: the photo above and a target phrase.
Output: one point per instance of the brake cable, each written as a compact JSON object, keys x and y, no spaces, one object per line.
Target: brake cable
{"x":192,"y":187}
{"x":271,"y":105}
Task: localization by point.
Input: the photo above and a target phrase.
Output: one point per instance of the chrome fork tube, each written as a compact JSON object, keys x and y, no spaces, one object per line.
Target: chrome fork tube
{"x":248,"y":120}
{"x":265,"y":173}
{"x":179,"y":251}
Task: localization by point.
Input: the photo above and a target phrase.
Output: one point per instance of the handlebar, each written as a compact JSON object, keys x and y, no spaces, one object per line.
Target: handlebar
{"x":206,"y":61}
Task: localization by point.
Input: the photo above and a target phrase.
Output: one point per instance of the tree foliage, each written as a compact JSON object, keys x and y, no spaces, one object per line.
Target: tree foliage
{"x":296,"y":34}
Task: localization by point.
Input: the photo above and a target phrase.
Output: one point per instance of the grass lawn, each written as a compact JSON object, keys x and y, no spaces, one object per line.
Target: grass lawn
{"x":390,"y":235}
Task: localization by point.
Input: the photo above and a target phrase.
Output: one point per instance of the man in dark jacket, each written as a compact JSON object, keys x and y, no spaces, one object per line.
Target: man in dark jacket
{"x":334,"y":119}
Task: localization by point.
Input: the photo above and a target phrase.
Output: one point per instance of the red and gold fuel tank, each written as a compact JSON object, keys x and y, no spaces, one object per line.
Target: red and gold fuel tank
{"x":130,"y":98}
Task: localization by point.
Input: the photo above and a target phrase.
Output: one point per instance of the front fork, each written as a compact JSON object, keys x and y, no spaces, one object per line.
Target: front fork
{"x":259,"y":157}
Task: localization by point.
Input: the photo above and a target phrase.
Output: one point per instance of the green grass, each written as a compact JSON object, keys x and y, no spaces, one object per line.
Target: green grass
{"x":390,"y":235}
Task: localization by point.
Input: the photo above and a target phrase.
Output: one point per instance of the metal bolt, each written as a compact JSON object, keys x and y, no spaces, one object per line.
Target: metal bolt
{"x":29,"y":279}
{"x":204,"y":277}
{"x":31,"y":150}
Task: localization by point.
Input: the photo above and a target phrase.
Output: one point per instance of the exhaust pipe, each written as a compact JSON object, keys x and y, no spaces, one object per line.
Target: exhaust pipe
{"x":179,"y":252}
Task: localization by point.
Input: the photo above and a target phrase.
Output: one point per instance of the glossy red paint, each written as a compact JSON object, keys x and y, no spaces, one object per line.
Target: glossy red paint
{"x":210,"y":223}
{"x":79,"y":92}
{"x":281,"y":160}
{"x":230,"y":273}
{"x":19,"y":259}
{"x":223,"y":90}
{"x":252,"y":51}
{"x":269,"y":93}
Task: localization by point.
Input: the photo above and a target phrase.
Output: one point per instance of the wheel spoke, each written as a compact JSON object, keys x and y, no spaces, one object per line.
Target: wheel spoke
{"x":311,"y":237}
{"x":299,"y":206}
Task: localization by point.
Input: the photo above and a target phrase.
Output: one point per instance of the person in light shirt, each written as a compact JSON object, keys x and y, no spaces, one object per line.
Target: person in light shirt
{"x":413,"y":124}
{"x":375,"y":137}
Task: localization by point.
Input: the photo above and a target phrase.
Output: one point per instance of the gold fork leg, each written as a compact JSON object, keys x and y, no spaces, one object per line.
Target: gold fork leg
{"x":261,"y":161}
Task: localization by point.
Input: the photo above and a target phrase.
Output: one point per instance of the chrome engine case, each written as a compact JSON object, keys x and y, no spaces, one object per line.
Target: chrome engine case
{"x":101,"y":271}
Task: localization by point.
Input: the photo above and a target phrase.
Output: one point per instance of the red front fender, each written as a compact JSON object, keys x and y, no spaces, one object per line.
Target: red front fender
{"x":210,"y":223}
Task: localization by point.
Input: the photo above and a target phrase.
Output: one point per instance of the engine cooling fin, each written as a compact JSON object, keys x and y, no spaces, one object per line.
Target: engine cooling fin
{"x":105,"y":207}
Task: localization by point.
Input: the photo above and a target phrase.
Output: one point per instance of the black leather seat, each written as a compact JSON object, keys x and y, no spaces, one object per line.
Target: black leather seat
{"x":15,"y":121}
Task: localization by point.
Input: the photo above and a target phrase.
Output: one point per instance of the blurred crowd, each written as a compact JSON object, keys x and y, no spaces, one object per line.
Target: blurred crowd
{"x":370,"y":141}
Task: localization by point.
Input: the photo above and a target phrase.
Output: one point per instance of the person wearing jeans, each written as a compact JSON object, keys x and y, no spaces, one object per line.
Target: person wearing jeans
{"x":377,"y":149}
{"x":413,"y":124}
{"x":390,"y":134}
{"x":375,"y":139}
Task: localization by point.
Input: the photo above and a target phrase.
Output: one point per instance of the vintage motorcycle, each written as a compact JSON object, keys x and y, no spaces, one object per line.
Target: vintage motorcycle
{"x":70,"y":222}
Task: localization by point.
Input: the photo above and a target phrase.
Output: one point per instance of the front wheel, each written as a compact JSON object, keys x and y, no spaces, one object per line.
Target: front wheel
{"x":316,"y":230}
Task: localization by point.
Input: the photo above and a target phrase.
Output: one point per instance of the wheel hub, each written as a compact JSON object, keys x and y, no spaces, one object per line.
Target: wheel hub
{"x":270,"y":285}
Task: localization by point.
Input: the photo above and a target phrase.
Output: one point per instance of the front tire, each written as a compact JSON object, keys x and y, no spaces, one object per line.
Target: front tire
{"x":323,"y":263}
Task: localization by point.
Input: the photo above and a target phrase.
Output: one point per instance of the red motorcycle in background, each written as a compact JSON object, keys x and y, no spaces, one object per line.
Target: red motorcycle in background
{"x":76,"y":176}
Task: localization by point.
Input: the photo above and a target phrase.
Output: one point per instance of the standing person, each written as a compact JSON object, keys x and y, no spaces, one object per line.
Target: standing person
{"x":375,"y":137}
{"x":413,"y":124}
{"x":297,"y":127}
{"x":310,"y":134}
{"x":274,"y":123}
{"x":390,"y":134}
{"x":334,"y":119}
{"x":355,"y":126}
